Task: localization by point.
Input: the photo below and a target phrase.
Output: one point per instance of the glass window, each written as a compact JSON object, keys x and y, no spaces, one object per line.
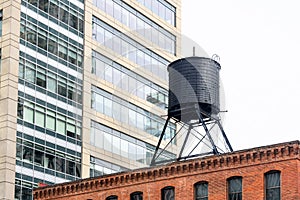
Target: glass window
{"x":28,"y":154}
{"x":60,"y":164}
{"x":62,"y":51}
{"x":70,"y":167}
{"x":72,"y":55}
{"x":168,"y":193}
{"x":73,"y":20}
{"x":62,"y":89}
{"x":41,"y":79}
{"x":132,"y":117}
{"x":112,"y":198}
{"x":50,"y":122}
{"x":29,"y":74}
{"x":116,"y":77}
{"x":124,"y":149}
{"x":117,"y":12}
{"x":107,"y":107}
{"x":136,"y":196}
{"x":99,"y":34}
{"x":52,"y":44}
{"x":61,"y":124}
{"x":63,"y":13}
{"x":108,"y":73}
{"x":42,"y":39}
{"x":1,"y":18}
{"x":99,"y":103}
{"x":107,"y":142}
{"x":116,"y":111}
{"x":116,"y":145}
{"x":235,"y":188}
{"x":53,"y":9}
{"x":31,"y":35}
{"x":38,"y":157}
{"x":40,"y":116}
{"x":28,"y":114}
{"x":99,"y":138}
{"x":49,"y":161}
{"x":201,"y":191}
{"x":272,"y":185}
{"x":71,"y":129}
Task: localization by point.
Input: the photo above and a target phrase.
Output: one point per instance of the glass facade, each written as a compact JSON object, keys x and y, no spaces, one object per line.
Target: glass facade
{"x":161,"y":8}
{"x":130,"y":49}
{"x":100,"y":167}
{"x":130,"y":114}
{"x":64,"y":13}
{"x":136,"y":21}
{"x":122,"y":144}
{"x":129,"y":81}
{"x":49,"y":111}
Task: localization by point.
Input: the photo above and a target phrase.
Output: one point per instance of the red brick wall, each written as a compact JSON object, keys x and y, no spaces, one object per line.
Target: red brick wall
{"x":250,"y":165}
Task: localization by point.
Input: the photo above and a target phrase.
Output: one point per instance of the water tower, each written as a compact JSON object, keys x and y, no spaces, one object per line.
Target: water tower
{"x":194,"y":104}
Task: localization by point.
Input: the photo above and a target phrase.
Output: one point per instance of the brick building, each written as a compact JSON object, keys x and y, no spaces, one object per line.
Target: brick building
{"x":268,"y":172}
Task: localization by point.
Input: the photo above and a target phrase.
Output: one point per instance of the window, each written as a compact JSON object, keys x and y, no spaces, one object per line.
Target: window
{"x":272,"y":185}
{"x":1,"y":18}
{"x":168,"y":193}
{"x":112,"y":198}
{"x":201,"y":191}
{"x":235,"y":188}
{"x":136,"y":196}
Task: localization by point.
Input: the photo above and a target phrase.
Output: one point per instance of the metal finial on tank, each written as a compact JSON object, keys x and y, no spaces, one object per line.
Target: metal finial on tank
{"x":193,"y":81}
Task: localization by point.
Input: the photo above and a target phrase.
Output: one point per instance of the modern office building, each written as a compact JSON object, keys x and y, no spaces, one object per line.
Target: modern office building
{"x":83,"y":88}
{"x":268,"y":172}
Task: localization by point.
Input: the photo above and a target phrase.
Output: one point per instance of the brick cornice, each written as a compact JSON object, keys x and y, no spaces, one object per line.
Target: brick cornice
{"x":237,"y":159}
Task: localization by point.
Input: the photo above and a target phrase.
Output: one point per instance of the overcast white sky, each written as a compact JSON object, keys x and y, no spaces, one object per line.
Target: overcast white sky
{"x":259,"y":46}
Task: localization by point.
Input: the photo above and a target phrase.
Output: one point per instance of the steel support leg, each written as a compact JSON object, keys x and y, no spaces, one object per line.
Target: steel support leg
{"x":224,"y":135}
{"x":184,"y":143}
{"x":215,"y":150}
{"x":159,"y":142}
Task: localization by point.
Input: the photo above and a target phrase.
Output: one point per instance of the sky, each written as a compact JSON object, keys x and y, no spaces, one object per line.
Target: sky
{"x":258,"y":43}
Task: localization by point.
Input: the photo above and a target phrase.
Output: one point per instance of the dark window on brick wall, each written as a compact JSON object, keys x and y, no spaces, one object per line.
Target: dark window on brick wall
{"x":136,"y":196}
{"x":112,"y":197}
{"x":235,"y":188}
{"x":272,"y":185}
{"x":201,"y":190}
{"x":168,"y":193}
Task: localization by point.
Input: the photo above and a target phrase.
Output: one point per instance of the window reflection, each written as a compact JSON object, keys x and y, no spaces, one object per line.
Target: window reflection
{"x":129,"y":81}
{"x":130,"y":17}
{"x":59,"y":47}
{"x":137,"y":117}
{"x":162,"y":8}
{"x":60,"y":11}
{"x":122,"y":144}
{"x":43,"y":117}
{"x":47,"y":158}
{"x":136,"y":53}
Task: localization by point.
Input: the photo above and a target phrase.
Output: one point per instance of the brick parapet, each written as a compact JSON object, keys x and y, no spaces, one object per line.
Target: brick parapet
{"x":237,"y":159}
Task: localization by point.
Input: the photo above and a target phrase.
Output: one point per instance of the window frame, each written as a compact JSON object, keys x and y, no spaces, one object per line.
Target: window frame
{"x":272,"y":188}
{"x":228,"y":187}
{"x":165,"y":189}
{"x":195,"y":190}
{"x":136,"y":195}
{"x":112,"y":197}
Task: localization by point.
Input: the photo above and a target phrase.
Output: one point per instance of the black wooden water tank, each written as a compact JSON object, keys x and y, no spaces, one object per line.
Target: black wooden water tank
{"x":193,"y":81}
